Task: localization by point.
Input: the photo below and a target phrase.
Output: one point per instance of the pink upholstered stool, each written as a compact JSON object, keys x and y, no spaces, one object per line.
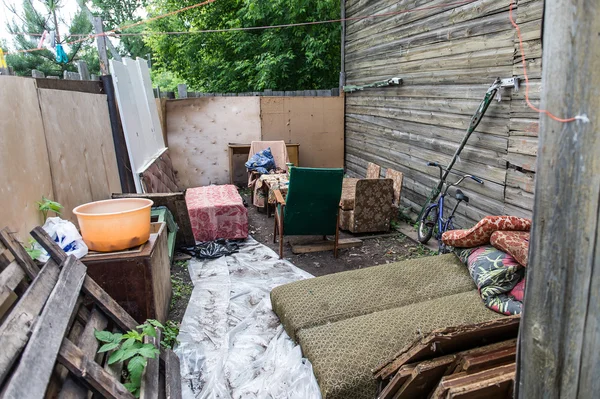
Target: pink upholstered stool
{"x":217,"y":212}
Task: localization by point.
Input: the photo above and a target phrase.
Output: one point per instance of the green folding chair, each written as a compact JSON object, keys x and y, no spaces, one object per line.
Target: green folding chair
{"x":311,"y":206}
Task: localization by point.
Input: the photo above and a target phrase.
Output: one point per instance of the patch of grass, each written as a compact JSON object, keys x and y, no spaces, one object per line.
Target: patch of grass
{"x":170,"y":333}
{"x":244,"y":191}
{"x":180,"y":288}
{"x":181,"y":263}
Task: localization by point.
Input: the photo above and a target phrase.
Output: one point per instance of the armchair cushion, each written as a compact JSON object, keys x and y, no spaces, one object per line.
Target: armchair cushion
{"x":348,"y":192}
{"x":372,"y":207}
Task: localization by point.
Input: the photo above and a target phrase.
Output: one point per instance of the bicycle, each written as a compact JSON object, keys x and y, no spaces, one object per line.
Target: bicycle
{"x":434,"y":213}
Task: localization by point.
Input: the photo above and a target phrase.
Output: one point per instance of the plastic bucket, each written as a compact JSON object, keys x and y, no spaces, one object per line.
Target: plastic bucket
{"x":116,"y":224}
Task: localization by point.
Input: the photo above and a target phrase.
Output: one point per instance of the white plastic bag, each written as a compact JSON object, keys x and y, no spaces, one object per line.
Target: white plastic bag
{"x":66,"y":236}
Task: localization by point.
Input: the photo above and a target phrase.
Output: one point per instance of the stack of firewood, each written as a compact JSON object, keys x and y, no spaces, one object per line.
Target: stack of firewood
{"x":474,"y":361}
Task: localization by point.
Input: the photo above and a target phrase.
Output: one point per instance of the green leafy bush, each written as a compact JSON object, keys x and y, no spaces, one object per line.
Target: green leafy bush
{"x":130,"y":348}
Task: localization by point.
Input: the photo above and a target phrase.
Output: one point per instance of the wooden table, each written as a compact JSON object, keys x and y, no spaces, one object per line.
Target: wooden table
{"x":244,"y":149}
{"x":268,"y":186}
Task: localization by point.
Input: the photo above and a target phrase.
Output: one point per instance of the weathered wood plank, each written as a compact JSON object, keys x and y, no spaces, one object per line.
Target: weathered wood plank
{"x":32,"y":374}
{"x":16,"y":328}
{"x":87,"y":342}
{"x":172,"y":374}
{"x":9,"y":279}
{"x":88,"y":370}
{"x":326,"y":245}
{"x":149,"y":388}
{"x":19,"y":253}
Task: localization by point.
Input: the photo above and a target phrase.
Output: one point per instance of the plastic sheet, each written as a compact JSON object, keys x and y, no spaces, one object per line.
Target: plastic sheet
{"x":231,"y":344}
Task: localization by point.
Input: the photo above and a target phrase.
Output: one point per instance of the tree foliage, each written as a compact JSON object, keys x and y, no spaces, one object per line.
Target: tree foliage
{"x":32,"y":20}
{"x":117,"y":13}
{"x":292,"y":58}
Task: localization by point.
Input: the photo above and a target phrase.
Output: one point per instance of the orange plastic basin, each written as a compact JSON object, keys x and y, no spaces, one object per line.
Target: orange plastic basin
{"x":114,"y":225}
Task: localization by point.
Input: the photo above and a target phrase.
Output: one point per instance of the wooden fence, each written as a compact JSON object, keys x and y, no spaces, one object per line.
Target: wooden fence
{"x":447,"y":57}
{"x":182,"y":92}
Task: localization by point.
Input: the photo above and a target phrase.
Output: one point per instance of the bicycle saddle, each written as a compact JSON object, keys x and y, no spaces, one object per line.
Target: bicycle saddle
{"x":461,"y":197}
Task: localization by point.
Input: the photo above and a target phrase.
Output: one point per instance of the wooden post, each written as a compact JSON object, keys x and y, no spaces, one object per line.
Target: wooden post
{"x":83,"y":70}
{"x":37,"y":74}
{"x":182,"y":90}
{"x":101,"y":44}
{"x":343,"y":46}
{"x":560,"y":332}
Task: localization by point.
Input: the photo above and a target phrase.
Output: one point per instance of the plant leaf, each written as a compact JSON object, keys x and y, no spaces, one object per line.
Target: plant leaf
{"x":103,"y":336}
{"x":116,"y":356}
{"x":149,"y":330}
{"x":136,"y":367}
{"x":133,"y":388}
{"x":133,"y":334}
{"x":117,"y":338}
{"x":149,"y":351}
{"x":128,"y":343}
{"x":108,"y":347}
{"x":156,"y":323}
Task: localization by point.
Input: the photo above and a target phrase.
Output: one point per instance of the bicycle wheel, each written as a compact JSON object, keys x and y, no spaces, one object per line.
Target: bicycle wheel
{"x":427,"y":224}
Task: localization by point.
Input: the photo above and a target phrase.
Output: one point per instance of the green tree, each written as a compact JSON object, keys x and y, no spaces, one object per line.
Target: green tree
{"x":32,"y":20}
{"x":117,"y":13}
{"x":293,"y":58}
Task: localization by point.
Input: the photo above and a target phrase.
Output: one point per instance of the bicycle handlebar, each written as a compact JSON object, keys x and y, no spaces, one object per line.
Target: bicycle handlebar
{"x":437,"y":165}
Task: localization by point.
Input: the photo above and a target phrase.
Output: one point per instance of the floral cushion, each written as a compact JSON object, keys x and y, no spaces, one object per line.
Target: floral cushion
{"x":519,"y":291}
{"x":516,"y":243}
{"x":480,"y":234}
{"x":348,"y":193}
{"x":372,"y":207}
{"x":495,"y":274}
{"x":373,"y":171}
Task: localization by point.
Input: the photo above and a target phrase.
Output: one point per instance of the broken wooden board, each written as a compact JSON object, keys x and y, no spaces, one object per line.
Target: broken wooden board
{"x":450,"y":340}
{"x":325,"y":246}
{"x":48,"y":341}
{"x":475,"y":360}
{"x":498,"y":380}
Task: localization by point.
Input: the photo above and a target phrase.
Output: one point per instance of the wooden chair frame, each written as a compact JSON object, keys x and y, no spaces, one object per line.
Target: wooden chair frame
{"x":278,"y":228}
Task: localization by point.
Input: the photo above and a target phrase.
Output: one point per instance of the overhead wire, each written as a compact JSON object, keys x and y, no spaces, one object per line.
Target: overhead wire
{"x":114,"y":32}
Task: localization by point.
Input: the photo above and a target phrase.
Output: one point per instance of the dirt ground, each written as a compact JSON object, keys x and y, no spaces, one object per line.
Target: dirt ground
{"x":391,"y":247}
{"x":374,"y":251}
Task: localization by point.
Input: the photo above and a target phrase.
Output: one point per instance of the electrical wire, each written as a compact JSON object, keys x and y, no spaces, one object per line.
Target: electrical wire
{"x":329,"y":21}
{"x":529,"y":104}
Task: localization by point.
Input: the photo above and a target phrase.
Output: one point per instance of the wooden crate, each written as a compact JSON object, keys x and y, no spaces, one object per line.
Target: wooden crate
{"x":47,"y":331}
{"x":139,"y":279}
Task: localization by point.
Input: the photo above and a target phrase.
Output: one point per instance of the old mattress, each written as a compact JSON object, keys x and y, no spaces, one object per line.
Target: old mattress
{"x":344,"y":353}
{"x":217,"y":212}
{"x":340,"y":296}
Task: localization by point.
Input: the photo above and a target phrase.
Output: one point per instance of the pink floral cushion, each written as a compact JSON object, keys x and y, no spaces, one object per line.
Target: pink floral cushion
{"x":480,"y":234}
{"x":519,"y":291}
{"x":515,"y":243}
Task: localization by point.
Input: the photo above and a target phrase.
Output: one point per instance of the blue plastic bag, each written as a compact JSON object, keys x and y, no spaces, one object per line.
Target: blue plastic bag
{"x":261,"y":162}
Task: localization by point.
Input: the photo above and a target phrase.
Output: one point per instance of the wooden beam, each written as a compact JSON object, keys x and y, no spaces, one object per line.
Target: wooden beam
{"x":149,"y":388}
{"x":32,"y":375}
{"x":101,"y":45}
{"x":73,"y":358}
{"x":325,"y":245}
{"x":560,"y":335}
{"x":172,"y":374}
{"x":19,"y":253}
{"x":16,"y":328}
{"x":449,"y":340}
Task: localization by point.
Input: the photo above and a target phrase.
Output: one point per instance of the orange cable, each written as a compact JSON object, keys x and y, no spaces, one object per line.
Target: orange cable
{"x":529,"y":104}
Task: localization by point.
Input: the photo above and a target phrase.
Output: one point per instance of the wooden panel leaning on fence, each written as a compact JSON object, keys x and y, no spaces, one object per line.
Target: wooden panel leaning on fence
{"x":47,"y":333}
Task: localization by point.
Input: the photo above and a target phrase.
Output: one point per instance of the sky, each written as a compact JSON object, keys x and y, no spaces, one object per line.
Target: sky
{"x":68,"y":10}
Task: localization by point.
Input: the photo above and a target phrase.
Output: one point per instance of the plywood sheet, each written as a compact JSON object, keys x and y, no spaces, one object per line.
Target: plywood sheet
{"x":316,"y":123}
{"x":199,"y":130}
{"x":24,"y":166}
{"x":80,"y":147}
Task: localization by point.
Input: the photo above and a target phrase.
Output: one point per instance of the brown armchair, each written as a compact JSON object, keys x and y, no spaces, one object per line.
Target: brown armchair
{"x":366,"y":205}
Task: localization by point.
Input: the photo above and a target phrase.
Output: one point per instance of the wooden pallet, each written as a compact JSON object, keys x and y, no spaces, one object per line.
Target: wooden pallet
{"x":48,"y":317}
{"x":475,"y":361}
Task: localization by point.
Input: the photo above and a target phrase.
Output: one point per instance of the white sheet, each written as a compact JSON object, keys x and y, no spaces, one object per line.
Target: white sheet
{"x":231,"y":344}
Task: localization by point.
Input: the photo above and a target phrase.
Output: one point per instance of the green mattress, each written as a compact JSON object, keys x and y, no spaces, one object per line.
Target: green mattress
{"x":340,"y":296}
{"x":344,"y":353}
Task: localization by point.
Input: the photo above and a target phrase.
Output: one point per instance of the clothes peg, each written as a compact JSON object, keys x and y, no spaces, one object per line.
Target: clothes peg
{"x":42,"y":39}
